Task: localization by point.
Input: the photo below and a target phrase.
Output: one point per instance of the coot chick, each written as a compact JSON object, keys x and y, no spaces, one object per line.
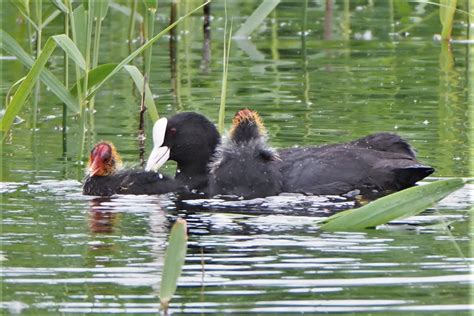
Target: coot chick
{"x":105,"y":176}
{"x":244,"y":165}
{"x":375,"y":165}
{"x":190,"y":139}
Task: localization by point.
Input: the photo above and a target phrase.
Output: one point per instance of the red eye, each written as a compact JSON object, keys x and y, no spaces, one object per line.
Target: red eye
{"x":173,"y":130}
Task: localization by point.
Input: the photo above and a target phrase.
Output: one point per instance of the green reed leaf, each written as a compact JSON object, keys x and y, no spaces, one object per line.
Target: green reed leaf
{"x":80,"y":28}
{"x":100,"y":8}
{"x":225,"y":70}
{"x":98,"y":74}
{"x":401,"y":204}
{"x":95,"y":76}
{"x":137,"y":52}
{"x":24,"y":90}
{"x":71,"y":49}
{"x":50,"y":15}
{"x":60,"y":6}
{"x":257,"y":17}
{"x":138,"y":78}
{"x":9,"y":44}
{"x":174,"y":261}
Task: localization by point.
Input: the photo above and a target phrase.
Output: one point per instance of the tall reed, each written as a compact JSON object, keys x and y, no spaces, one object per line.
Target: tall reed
{"x":225,"y":70}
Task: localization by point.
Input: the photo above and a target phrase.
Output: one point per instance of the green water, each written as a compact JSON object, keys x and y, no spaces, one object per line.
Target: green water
{"x":65,"y":253}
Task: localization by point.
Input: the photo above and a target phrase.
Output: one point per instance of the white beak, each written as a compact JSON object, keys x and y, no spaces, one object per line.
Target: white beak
{"x":160,"y":154}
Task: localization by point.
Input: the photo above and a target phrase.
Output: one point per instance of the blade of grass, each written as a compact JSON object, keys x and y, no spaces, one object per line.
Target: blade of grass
{"x":71,"y":49}
{"x":151,"y":7}
{"x":98,"y":74}
{"x":24,"y":90}
{"x":137,"y":52}
{"x":174,"y":261}
{"x":50,"y":16}
{"x":78,"y":27}
{"x":100,"y":11}
{"x":60,"y":5}
{"x":11,"y":46}
{"x":256,"y":18}
{"x":138,"y":78}
{"x":225,"y":68}
{"x":397,"y":205}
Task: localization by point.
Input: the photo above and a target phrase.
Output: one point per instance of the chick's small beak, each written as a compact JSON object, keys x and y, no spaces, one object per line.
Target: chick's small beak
{"x":96,"y":166}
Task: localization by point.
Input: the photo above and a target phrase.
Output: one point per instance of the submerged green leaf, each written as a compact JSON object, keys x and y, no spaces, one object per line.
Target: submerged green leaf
{"x":23,"y":92}
{"x":401,"y":204}
{"x":174,"y":261}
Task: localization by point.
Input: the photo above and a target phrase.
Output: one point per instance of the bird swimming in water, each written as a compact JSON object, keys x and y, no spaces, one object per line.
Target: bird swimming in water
{"x":244,"y":165}
{"x":376,"y":164}
{"x":105,"y":176}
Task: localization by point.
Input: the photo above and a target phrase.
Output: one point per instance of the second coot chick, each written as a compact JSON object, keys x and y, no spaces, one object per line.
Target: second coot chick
{"x":105,"y":177}
{"x":244,"y":165}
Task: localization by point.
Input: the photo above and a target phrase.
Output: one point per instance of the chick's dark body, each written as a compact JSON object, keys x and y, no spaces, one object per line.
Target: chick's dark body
{"x":129,"y":182}
{"x":246,"y":170}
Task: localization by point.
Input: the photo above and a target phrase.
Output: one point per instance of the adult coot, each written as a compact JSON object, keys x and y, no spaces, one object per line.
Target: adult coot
{"x":105,"y":177}
{"x":376,"y":164}
{"x":243,"y":164}
{"x":190,"y":139}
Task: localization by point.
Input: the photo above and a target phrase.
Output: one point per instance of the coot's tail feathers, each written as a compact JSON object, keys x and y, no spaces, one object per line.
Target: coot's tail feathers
{"x":408,"y":176}
{"x":386,"y":142}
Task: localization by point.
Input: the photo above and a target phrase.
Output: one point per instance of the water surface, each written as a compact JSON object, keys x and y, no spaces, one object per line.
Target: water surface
{"x":63,"y":253}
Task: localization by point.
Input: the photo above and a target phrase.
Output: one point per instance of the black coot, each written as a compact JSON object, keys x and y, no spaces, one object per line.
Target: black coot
{"x":244,"y":165}
{"x":376,"y":164}
{"x":190,"y":139}
{"x":105,"y":176}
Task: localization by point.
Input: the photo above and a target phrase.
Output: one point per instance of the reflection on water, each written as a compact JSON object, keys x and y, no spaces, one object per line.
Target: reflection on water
{"x":106,"y":254}
{"x":317,"y":75}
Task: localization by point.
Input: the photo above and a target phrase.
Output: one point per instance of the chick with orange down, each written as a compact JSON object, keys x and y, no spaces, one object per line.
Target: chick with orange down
{"x":244,"y":165}
{"x":106,"y":177}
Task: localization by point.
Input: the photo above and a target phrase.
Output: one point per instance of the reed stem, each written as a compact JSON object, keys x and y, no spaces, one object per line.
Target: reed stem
{"x":225,"y":68}
{"x":66,"y":84}
{"x":38,"y":12}
{"x":78,"y":69}
{"x":131,"y":25}
{"x":447,"y":17}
